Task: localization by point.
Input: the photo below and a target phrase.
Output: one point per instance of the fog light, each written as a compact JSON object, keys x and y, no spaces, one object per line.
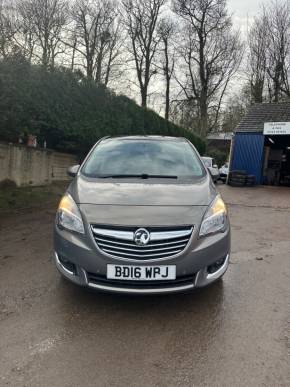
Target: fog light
{"x":67,"y":264}
{"x":215,"y":266}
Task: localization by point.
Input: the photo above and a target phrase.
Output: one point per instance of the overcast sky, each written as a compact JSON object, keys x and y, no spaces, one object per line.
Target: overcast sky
{"x":243,"y":11}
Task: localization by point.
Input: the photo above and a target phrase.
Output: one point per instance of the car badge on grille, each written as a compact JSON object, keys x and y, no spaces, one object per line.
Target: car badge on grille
{"x":141,"y":237}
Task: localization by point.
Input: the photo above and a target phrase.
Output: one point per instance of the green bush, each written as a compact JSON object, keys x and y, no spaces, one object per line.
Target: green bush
{"x":221,"y":157}
{"x":69,"y":112}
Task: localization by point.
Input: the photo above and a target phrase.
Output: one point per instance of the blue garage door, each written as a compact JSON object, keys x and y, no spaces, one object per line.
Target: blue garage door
{"x":248,"y":154}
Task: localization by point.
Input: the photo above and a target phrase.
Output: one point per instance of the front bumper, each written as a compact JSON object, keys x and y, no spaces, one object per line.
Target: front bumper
{"x":201,"y":279}
{"x":87,"y":265}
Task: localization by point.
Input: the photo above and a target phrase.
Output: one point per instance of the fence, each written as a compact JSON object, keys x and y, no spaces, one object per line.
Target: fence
{"x":33,"y":166}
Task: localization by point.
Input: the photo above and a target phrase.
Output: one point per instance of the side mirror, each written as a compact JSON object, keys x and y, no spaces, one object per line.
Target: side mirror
{"x":215,"y":166}
{"x":72,"y":171}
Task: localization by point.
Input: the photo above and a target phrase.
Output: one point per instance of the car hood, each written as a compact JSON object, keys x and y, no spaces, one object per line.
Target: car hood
{"x":157,"y":192}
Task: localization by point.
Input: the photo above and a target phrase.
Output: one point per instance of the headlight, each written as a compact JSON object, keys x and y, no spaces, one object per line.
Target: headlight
{"x":69,"y":216}
{"x":215,"y":219}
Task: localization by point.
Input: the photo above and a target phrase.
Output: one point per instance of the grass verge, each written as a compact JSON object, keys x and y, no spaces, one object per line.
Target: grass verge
{"x":13,"y":199}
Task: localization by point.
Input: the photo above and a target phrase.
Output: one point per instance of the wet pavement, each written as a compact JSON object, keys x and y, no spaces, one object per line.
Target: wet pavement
{"x":234,"y":333}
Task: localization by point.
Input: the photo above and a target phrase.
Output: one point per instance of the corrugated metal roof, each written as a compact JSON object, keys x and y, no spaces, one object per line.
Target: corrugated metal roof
{"x":260,"y":113}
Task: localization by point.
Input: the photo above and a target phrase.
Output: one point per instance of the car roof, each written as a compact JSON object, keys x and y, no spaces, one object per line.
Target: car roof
{"x":145,"y":137}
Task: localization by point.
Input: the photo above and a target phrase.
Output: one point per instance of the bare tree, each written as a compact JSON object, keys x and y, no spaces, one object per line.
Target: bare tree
{"x":211,"y":53}
{"x":258,"y":41}
{"x":42,"y":23}
{"x":96,"y":37}
{"x":7,"y":28}
{"x":236,"y":108}
{"x":140,"y":18}
{"x":167,"y":29}
{"x":114,"y":62}
{"x":25,"y":37}
{"x":278,"y":52}
{"x":73,"y":45}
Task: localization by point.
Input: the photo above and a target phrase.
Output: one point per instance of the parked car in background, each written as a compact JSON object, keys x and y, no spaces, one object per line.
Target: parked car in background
{"x":142,"y":215}
{"x":211,"y":165}
{"x":224,"y":171}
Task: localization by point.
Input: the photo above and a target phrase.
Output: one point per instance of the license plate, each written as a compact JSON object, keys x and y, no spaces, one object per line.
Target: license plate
{"x":142,"y":273}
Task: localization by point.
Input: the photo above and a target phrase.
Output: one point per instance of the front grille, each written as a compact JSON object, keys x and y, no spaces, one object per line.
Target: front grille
{"x":179,"y":281}
{"x":164,"y":242}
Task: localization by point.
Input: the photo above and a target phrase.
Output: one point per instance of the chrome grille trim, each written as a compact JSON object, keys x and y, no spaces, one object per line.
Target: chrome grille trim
{"x":143,"y":249}
{"x":149,"y":245}
{"x":126,"y":235}
{"x":141,"y":291}
{"x":158,"y":236}
{"x":118,"y":243}
{"x":143,"y":255}
{"x":129,"y":235}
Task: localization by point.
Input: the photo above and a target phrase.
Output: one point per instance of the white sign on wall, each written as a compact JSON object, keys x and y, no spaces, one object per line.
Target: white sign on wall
{"x":276,"y":128}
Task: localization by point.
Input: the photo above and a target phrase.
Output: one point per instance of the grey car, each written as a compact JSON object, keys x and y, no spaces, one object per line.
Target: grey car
{"x":142,"y":216}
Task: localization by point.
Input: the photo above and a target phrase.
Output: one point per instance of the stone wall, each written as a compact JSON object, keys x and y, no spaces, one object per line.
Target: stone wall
{"x":33,"y":166}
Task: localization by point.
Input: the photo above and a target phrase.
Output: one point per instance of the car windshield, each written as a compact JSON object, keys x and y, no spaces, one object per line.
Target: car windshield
{"x":143,"y":158}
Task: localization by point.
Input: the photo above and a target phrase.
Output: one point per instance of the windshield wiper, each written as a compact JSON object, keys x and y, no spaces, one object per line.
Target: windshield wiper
{"x":141,"y":176}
